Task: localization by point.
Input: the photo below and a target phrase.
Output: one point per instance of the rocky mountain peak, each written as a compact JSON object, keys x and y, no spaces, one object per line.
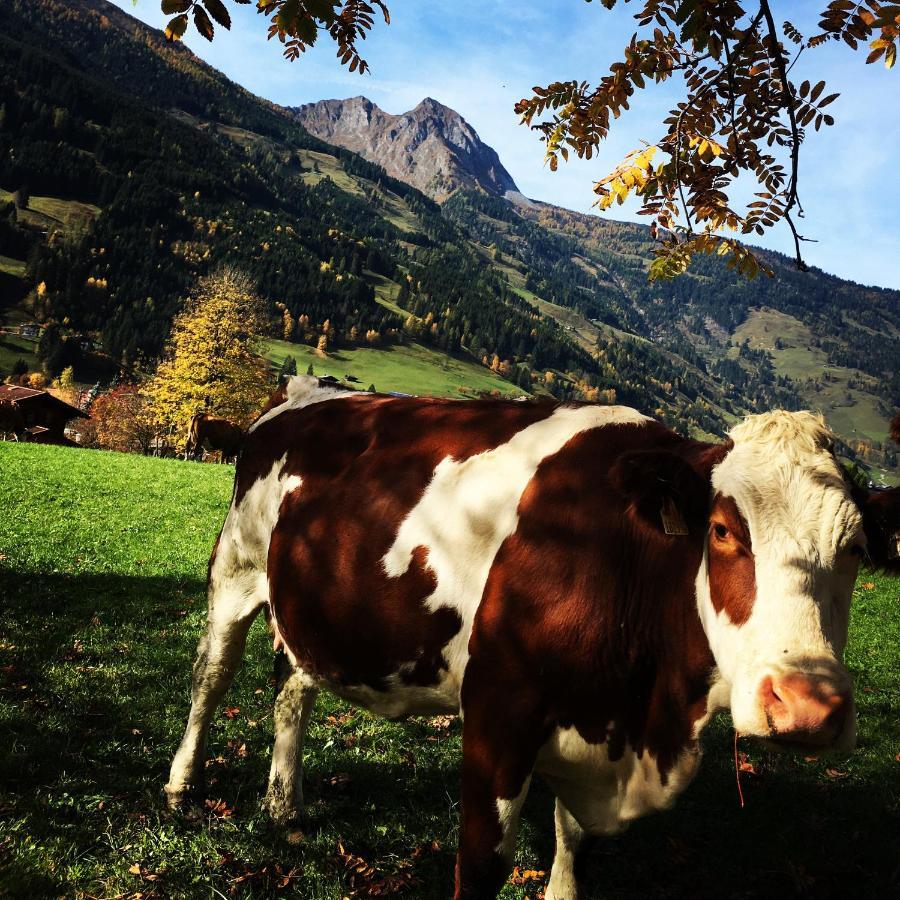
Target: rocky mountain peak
{"x":431,"y":146}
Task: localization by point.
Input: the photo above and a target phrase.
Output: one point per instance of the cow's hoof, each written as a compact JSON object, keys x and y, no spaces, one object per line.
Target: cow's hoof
{"x":563,"y":887}
{"x":284,"y":814}
{"x":286,"y":817}
{"x":183,"y":803}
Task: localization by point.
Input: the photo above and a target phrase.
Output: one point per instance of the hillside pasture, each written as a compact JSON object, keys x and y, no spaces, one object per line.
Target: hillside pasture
{"x":14,"y":347}
{"x":102,"y":569}
{"x":11,"y":266}
{"x":55,"y":212}
{"x":407,"y":368}
{"x":852,"y":412}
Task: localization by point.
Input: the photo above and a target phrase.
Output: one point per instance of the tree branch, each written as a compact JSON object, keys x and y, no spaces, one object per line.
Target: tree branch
{"x":788,"y":99}
{"x":739,"y":48}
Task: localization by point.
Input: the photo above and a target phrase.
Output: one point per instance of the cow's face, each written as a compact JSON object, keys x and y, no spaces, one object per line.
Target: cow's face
{"x":782,"y":551}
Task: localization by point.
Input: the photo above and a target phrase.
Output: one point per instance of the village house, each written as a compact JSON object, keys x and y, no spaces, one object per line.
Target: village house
{"x":44,"y":415}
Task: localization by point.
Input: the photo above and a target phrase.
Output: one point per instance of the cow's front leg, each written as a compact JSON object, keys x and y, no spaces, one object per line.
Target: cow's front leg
{"x":294,"y":702}
{"x":489,"y":826}
{"x":569,"y":837}
{"x":499,"y":750}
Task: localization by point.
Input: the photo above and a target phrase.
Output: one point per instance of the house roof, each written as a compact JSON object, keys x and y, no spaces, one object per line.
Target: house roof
{"x":18,"y":395}
{"x":16,"y":392}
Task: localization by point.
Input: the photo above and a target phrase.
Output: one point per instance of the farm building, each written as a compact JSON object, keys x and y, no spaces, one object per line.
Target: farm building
{"x":45,"y":416}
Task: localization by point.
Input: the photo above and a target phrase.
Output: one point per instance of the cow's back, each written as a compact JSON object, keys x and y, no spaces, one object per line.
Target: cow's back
{"x":386,"y":515}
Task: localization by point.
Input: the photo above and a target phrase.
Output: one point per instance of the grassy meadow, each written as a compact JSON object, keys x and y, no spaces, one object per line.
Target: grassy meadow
{"x":408,"y":368}
{"x":852,"y":412}
{"x":102,"y":567}
{"x":54,"y":212}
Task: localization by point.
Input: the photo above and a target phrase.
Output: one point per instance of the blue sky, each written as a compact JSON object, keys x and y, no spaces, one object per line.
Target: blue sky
{"x":481,"y":56}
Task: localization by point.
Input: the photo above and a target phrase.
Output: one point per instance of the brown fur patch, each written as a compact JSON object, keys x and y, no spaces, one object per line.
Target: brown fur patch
{"x":881,"y":522}
{"x":732,"y":567}
{"x":365,"y":461}
{"x":589,"y":615}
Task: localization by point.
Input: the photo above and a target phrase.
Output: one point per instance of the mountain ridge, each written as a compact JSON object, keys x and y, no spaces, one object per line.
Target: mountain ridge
{"x":431,"y":146}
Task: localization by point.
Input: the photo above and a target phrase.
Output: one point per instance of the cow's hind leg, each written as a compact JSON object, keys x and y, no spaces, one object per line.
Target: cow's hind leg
{"x":295,"y":698}
{"x":569,"y":837}
{"x":234,"y":602}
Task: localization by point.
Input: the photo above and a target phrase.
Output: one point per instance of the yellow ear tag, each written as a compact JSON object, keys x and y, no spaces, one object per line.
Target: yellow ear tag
{"x":672,"y":520}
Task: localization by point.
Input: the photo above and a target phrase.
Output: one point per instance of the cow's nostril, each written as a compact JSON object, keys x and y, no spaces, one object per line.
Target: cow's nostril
{"x":769,"y":695}
{"x":840,"y":706}
{"x":805,"y":709}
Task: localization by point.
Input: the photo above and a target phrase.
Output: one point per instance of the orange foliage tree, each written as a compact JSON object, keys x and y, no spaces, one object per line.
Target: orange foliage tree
{"x":118,"y":422}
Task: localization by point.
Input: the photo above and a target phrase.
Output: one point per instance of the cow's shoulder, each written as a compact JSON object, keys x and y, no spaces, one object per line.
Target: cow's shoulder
{"x":298,"y":392}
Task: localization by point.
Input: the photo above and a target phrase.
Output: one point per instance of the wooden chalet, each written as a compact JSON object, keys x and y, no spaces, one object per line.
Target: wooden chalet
{"x":44,"y":415}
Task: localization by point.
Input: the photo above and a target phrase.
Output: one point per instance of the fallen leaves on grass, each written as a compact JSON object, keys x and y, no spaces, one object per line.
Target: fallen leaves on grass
{"x":835,"y":773}
{"x":745,"y":765}
{"x":526,"y":876}
{"x":267,"y":877}
{"x":219,"y":809}
{"x":73,"y":652}
{"x":339,"y":781}
{"x":231,"y":711}
{"x":341,"y":720}
{"x":363,"y":879}
{"x":442,"y":723}
{"x":144,"y":873}
{"x":441,"y":726}
{"x":868,"y":585}
{"x":427,"y":849}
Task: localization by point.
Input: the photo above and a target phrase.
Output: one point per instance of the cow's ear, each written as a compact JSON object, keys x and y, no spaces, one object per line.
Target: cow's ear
{"x":663,"y":490}
{"x":881,"y":522}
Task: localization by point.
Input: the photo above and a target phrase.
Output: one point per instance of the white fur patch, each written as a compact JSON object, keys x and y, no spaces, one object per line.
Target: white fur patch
{"x":302,"y":391}
{"x":508,"y":811}
{"x":604,"y":795}
{"x":802,"y":522}
{"x":239,"y":571}
{"x":471,"y":506}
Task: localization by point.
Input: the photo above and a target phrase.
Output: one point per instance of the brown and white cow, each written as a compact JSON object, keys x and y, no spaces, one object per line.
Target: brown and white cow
{"x":509,"y":561}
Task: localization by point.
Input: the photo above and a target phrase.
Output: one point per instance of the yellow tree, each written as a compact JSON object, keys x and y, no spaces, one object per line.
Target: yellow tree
{"x":287,"y":323}
{"x":210,"y":364}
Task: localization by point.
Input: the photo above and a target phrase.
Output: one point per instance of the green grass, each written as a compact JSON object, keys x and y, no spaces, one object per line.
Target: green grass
{"x":14,"y":267}
{"x":13,"y":347}
{"x":102,"y":568}
{"x":329,"y":167}
{"x":52,"y":212}
{"x":410,"y":369}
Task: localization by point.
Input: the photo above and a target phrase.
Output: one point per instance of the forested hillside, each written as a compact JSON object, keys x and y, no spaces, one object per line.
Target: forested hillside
{"x":175,"y":171}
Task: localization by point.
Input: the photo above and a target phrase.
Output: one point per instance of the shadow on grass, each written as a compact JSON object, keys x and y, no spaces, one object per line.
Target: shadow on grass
{"x":93,"y":694}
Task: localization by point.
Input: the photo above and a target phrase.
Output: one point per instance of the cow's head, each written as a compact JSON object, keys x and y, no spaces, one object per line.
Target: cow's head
{"x":782,"y":533}
{"x":783,"y":546}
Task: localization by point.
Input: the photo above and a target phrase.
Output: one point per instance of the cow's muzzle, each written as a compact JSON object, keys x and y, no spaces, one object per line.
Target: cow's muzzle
{"x":808,"y":711}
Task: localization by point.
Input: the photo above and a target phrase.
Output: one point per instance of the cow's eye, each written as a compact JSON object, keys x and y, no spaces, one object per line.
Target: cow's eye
{"x":720,"y":531}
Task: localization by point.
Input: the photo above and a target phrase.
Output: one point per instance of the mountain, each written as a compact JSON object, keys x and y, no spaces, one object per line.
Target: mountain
{"x":147,"y":168}
{"x":431,"y":147}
